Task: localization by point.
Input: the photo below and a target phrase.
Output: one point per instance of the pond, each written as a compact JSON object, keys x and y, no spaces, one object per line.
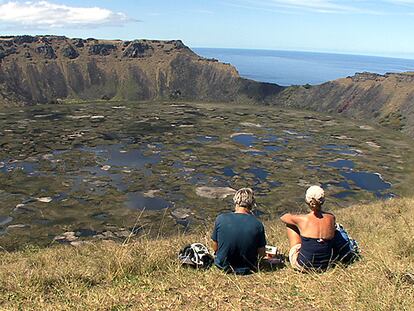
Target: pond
{"x":141,"y":202}
{"x":368,"y":181}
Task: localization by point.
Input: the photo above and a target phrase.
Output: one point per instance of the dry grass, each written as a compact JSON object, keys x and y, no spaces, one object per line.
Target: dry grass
{"x":145,"y":275}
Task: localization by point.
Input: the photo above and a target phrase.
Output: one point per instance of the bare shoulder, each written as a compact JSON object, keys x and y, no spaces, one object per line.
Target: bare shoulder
{"x":292,"y":218}
{"x":329,"y":215}
{"x":301,"y":217}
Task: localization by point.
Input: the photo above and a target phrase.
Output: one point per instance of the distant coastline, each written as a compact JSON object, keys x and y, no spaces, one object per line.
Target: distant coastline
{"x":299,"y":68}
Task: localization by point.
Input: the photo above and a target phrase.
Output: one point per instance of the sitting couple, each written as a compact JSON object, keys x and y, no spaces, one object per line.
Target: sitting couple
{"x":239,"y":238}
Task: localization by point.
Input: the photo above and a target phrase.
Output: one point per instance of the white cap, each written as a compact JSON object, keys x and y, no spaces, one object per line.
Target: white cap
{"x":315,"y":192}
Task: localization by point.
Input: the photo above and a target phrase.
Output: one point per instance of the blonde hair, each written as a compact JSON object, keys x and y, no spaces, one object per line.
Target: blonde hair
{"x":244,"y":197}
{"x":315,"y":197}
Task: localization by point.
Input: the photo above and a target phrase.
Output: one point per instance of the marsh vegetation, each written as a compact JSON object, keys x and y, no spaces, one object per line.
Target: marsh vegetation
{"x":82,"y":171}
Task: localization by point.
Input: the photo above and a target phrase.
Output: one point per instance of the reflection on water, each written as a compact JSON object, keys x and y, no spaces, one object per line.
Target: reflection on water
{"x":198,"y":179}
{"x":250,"y":140}
{"x":368,"y":181}
{"x":260,"y":173}
{"x":372,"y":182}
{"x":7,"y":165}
{"x":111,"y":159}
{"x":247,"y":140}
{"x":4,"y":220}
{"x":385,"y":196}
{"x":342,"y":164}
{"x":228,"y":171}
{"x":115,"y":179}
{"x":138,"y":201}
{"x":119,"y":155}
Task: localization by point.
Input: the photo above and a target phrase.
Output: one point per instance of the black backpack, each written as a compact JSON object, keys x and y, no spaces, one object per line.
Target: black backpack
{"x":195,"y":255}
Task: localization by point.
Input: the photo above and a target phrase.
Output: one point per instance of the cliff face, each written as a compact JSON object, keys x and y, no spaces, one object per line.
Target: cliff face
{"x":46,"y":68}
{"x":388,"y":99}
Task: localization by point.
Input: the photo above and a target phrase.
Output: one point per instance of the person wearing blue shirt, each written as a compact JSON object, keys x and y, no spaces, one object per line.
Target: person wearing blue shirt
{"x":239,"y":237}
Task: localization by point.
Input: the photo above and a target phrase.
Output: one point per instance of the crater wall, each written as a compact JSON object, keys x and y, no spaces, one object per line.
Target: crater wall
{"x":43,"y":69}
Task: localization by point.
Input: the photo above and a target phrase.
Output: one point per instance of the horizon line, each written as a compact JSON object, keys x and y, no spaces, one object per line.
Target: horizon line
{"x":409,"y":56}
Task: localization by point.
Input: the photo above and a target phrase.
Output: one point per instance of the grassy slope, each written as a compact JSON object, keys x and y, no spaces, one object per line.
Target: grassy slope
{"x":145,"y":276}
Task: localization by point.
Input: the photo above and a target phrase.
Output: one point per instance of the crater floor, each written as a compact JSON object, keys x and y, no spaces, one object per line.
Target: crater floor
{"x":81,"y":171}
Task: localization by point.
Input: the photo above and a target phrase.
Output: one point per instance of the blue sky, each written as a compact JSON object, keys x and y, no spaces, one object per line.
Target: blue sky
{"x":351,"y":26}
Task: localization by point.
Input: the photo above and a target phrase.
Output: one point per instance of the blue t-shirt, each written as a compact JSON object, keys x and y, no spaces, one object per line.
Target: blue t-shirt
{"x":238,"y":237}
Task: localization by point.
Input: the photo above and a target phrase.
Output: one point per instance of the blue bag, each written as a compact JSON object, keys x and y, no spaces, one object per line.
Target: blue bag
{"x":346,"y":249}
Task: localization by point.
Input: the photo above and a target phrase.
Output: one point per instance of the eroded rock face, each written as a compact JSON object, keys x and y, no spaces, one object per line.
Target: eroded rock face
{"x":137,"y":50}
{"x":6,"y":52}
{"x":78,"y":43}
{"x":70,"y":52}
{"x":46,"y":50}
{"x":6,"y":43}
{"x":101,"y":49}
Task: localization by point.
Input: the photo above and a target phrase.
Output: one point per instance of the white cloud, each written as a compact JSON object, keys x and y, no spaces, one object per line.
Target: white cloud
{"x":314,"y":5}
{"x":321,"y":6}
{"x":44,"y":14}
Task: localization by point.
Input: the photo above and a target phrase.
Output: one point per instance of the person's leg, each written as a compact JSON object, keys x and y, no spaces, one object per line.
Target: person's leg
{"x":293,"y":235}
{"x":295,"y":244}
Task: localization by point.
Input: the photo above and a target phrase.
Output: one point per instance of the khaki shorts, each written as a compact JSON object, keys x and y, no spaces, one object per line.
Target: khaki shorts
{"x":293,"y":257}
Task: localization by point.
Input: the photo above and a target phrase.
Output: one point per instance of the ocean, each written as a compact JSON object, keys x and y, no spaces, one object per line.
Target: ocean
{"x":298,"y":68}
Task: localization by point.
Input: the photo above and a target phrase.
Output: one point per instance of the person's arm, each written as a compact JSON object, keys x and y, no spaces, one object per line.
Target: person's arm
{"x":291,"y":219}
{"x":214,"y":236}
{"x":215,"y":246}
{"x":261,"y":252}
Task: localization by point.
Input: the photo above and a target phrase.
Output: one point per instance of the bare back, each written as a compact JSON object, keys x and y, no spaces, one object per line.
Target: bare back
{"x":320,"y":226}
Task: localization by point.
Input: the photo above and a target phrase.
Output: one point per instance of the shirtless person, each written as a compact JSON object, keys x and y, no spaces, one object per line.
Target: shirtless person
{"x":311,"y":235}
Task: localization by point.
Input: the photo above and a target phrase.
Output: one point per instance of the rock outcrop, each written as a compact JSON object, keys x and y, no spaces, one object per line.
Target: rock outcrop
{"x":46,"y":50}
{"x":138,"y":49}
{"x":387,"y":99}
{"x":70,"y":52}
{"x":45,"y":69}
